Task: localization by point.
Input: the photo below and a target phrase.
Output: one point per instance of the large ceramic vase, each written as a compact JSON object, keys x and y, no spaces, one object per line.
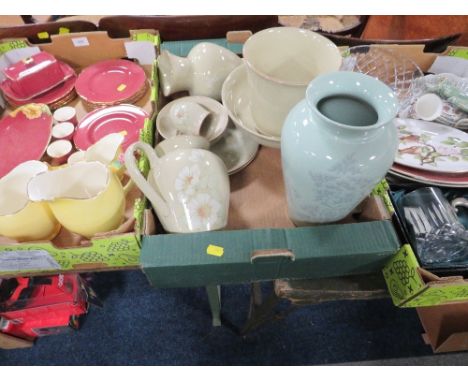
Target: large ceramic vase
{"x":201,"y":73}
{"x":336,"y":145}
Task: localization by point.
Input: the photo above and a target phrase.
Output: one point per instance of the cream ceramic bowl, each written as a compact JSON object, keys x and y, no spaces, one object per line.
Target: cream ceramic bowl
{"x":281,"y":62}
{"x":237,"y":102}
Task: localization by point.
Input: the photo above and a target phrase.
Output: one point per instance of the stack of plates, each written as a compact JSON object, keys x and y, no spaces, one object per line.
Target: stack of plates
{"x":432,"y":154}
{"x":110,"y":83}
{"x":56,"y":97}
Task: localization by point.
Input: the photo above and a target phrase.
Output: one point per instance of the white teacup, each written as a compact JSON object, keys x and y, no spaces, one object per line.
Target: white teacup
{"x":188,"y":117}
{"x":281,"y":62}
{"x":59,"y":151}
{"x":65,"y":114}
{"x":428,"y":107}
{"x":63,"y":130}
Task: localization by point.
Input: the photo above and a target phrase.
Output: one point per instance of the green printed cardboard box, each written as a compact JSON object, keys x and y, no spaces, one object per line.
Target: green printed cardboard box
{"x":119,"y":249}
{"x":411,"y":286}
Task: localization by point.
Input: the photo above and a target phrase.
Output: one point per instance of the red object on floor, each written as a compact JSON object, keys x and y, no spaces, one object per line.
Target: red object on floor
{"x":40,"y":306}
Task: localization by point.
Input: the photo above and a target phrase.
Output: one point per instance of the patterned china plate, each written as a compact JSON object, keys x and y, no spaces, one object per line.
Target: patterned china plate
{"x":110,"y":81}
{"x":114,"y":119}
{"x":24,"y":135}
{"x":431,"y":147}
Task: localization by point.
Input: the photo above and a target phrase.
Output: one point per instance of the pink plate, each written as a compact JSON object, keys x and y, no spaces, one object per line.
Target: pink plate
{"x":47,"y":97}
{"x":110,"y":81}
{"x":108,"y":120}
{"x":24,"y":135}
{"x":428,"y":176}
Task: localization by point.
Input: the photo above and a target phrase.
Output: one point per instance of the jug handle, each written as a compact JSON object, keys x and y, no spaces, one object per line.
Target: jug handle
{"x":139,"y":179}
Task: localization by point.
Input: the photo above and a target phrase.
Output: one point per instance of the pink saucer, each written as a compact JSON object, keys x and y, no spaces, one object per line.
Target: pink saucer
{"x":24,"y":136}
{"x":108,"y":120}
{"x":110,"y":81}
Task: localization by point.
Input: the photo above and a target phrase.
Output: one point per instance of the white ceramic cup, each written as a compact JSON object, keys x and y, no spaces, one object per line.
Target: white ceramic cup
{"x":428,"y":107}
{"x":65,"y":114}
{"x":59,"y":151}
{"x":63,"y":130}
{"x":188,"y":117}
{"x":280,"y":63}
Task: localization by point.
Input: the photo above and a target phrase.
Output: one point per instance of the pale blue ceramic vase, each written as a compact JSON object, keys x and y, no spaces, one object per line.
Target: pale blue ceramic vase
{"x":336,"y":145}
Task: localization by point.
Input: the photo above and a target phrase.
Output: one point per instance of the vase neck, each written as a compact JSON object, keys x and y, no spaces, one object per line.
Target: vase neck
{"x":177,"y":72}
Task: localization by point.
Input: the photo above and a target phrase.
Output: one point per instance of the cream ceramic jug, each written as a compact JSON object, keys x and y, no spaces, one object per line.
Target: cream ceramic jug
{"x":86,"y":197}
{"x":21,"y":219}
{"x":188,"y":187}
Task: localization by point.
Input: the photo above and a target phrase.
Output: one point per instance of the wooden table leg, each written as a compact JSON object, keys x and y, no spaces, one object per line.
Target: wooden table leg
{"x":214,"y":298}
{"x":261,"y":311}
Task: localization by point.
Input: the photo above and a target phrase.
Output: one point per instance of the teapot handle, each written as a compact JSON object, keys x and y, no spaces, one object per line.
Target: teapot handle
{"x":132,"y":168}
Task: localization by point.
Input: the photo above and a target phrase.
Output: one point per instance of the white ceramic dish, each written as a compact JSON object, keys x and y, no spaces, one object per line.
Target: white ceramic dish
{"x":236,"y":149}
{"x":235,"y":97}
{"x":216,"y":122}
{"x":431,"y":146}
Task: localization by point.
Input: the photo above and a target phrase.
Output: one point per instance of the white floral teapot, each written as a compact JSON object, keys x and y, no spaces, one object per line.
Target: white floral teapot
{"x":188,"y":185}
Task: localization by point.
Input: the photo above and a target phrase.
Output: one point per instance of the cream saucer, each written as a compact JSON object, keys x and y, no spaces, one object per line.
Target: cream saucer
{"x":236,"y":149}
{"x":235,"y":97}
{"x":217,"y":120}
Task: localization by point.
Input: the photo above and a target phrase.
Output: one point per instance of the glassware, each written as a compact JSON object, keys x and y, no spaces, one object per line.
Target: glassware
{"x":436,"y":232}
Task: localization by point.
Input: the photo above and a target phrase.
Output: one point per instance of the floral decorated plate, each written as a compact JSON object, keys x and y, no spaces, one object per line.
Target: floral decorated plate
{"x":24,"y":135}
{"x":431,"y":146}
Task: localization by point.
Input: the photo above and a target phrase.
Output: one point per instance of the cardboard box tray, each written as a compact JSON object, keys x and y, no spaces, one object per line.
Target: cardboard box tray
{"x":69,"y":252}
{"x":261,"y":243}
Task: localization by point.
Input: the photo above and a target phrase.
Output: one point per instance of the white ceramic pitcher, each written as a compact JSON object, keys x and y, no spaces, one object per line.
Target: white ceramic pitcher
{"x":188,"y":187}
{"x":21,"y":219}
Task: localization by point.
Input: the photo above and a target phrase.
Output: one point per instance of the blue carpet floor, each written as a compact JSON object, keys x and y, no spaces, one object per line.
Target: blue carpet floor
{"x":139,"y":325}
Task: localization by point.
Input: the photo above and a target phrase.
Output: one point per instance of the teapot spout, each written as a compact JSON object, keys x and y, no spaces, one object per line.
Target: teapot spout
{"x":175,"y":73}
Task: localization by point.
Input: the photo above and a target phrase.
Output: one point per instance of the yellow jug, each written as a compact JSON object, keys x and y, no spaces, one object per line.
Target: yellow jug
{"x":21,"y":219}
{"x":86,"y":197}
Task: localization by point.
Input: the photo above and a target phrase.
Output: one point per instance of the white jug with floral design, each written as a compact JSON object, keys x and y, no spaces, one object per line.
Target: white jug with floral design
{"x":188,"y":187}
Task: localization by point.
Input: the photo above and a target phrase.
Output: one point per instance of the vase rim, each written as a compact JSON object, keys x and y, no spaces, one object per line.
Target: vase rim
{"x":319,"y":81}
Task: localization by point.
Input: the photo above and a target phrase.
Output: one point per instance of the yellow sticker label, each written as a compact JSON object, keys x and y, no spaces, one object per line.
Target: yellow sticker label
{"x":63,"y":30}
{"x":121,"y":87}
{"x":215,"y":250}
{"x":43,"y":35}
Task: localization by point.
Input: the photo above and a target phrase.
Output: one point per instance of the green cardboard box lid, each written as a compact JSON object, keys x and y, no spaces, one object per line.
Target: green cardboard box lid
{"x":188,"y":260}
